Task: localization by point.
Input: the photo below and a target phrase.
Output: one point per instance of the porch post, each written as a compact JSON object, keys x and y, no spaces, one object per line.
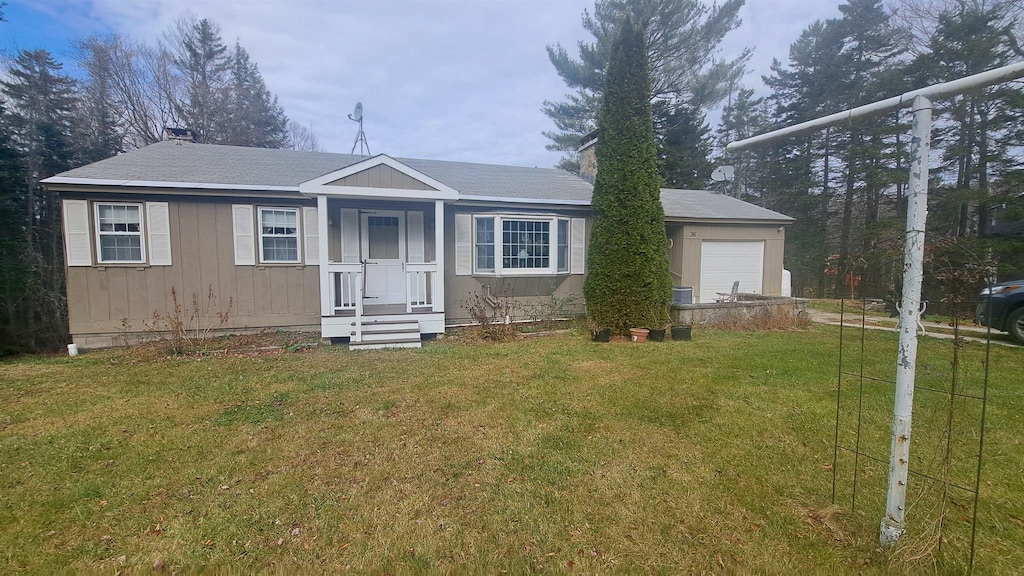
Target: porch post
{"x":326,"y":298}
{"x":439,"y":276}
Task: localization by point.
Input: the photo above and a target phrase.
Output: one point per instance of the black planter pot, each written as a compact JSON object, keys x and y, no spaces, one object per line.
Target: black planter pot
{"x":681,"y":332}
{"x":656,"y":335}
{"x":602,"y":335}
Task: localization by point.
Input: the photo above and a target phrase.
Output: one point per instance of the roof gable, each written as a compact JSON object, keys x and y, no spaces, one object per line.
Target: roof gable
{"x":380,"y":175}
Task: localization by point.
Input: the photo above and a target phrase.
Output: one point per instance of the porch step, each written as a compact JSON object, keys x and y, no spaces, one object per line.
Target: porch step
{"x":388,"y":334}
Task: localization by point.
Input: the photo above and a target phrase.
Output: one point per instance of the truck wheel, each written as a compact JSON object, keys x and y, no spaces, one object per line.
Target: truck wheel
{"x":1015,"y":325}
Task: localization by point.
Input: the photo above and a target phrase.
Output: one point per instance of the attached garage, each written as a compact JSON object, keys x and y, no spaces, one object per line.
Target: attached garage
{"x":725,"y":262}
{"x":716,"y":240}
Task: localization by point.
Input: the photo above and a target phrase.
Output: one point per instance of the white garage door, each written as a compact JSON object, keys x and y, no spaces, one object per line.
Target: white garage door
{"x":723,"y":262}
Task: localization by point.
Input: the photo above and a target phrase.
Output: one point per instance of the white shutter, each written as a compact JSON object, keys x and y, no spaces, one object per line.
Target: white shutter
{"x":414,"y":230}
{"x":311,"y":233}
{"x":77,"y":245}
{"x":578,"y":246}
{"x":463,"y":244}
{"x":158,"y":227}
{"x":349,"y":235}
{"x":245,"y":242}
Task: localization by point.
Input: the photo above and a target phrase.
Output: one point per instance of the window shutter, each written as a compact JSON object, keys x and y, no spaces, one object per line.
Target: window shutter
{"x":245,"y":244}
{"x":578,"y":246}
{"x":77,"y":239}
{"x":463,"y":244}
{"x":349,"y":235}
{"x":414,"y":230}
{"x":311,"y":233}
{"x":158,"y":226}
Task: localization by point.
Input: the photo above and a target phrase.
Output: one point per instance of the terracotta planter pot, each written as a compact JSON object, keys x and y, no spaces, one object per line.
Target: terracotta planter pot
{"x":681,"y":332}
{"x":638,"y":335}
{"x":656,"y":335}
{"x":602,"y":335}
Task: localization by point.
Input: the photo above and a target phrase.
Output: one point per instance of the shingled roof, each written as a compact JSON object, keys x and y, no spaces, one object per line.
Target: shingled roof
{"x":176,"y":164}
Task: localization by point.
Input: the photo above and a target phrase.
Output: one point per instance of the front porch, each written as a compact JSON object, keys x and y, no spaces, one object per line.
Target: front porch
{"x":382,"y":247}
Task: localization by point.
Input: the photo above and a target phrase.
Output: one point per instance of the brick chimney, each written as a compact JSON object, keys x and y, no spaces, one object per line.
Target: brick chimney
{"x":181,"y":134}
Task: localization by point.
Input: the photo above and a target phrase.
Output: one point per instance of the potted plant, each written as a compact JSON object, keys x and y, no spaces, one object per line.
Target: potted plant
{"x":681,"y":332}
{"x":656,"y":334}
{"x":600,"y":335}
{"x":639,"y":335}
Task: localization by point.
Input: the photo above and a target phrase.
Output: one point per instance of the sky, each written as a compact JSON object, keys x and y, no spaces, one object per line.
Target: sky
{"x":459,"y":80}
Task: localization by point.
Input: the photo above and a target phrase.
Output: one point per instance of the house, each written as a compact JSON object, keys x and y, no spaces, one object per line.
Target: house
{"x":363,"y":248}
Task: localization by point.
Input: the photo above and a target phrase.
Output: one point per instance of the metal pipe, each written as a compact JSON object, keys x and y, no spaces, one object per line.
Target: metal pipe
{"x":893,"y":524}
{"x":1003,"y":74}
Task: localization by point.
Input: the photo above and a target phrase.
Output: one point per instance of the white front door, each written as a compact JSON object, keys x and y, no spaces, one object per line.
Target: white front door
{"x":383,"y":251}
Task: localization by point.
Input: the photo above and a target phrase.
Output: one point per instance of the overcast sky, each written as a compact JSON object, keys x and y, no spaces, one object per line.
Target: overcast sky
{"x":448,"y":80}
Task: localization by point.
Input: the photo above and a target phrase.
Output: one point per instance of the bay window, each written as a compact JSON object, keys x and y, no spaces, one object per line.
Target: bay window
{"x":510,"y":245}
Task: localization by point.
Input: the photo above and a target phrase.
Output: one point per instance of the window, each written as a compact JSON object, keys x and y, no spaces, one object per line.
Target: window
{"x":485,"y":244}
{"x":119,"y":233}
{"x":279,"y":235}
{"x":525,"y":245}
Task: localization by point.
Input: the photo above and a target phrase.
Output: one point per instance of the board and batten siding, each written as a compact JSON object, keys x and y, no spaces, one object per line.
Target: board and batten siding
{"x":685,"y":253}
{"x":202,"y":255}
{"x":526,"y":290}
{"x":382,"y":176}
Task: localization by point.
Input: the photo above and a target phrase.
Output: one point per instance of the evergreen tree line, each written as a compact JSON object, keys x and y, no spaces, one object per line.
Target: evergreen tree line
{"x":846,"y":186}
{"x":126,"y":95}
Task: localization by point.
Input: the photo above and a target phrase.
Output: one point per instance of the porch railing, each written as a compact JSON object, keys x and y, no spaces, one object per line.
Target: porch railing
{"x":419,"y":287}
{"x":347,"y":291}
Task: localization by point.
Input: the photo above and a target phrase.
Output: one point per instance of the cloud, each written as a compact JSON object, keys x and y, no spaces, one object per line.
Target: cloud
{"x":450,"y":80}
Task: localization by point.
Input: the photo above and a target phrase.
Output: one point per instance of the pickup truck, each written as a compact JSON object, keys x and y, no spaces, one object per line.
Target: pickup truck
{"x":1007,"y":308}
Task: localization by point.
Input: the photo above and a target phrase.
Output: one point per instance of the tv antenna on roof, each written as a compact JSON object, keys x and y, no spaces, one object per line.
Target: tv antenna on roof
{"x":357,"y":116}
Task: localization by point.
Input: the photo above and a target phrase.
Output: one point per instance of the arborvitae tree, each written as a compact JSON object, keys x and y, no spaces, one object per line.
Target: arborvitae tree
{"x":254,"y":117}
{"x":628,"y":282}
{"x":682,"y":55}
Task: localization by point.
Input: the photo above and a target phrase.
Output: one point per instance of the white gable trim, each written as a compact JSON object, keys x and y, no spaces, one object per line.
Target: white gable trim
{"x":320,"y":186}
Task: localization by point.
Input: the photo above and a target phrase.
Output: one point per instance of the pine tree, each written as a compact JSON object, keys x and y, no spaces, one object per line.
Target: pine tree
{"x":628,"y":283}
{"x":42,"y":119}
{"x":254,"y":119}
{"x":684,"y":147}
{"x":682,"y":55}
{"x":203,"y":64}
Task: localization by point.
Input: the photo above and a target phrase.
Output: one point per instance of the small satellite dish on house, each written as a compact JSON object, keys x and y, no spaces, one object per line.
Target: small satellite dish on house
{"x":357,"y":116}
{"x":723,"y":174}
{"x":361,"y":143}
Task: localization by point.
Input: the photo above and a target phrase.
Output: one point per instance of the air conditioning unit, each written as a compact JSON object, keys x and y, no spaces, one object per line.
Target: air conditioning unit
{"x":682,"y":295}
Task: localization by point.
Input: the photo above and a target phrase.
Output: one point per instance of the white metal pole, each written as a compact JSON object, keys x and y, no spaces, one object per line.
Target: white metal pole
{"x":893,"y":524}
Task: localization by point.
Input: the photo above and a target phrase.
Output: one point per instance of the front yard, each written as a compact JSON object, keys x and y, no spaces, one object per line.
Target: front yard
{"x":550,"y":453}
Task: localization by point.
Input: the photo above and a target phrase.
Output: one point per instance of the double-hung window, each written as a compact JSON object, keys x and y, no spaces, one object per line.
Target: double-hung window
{"x":513,"y":245}
{"x":119,"y":233}
{"x":279,"y":235}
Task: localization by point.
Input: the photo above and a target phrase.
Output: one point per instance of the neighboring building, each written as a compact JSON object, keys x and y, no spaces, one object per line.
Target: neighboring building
{"x":361,"y":248}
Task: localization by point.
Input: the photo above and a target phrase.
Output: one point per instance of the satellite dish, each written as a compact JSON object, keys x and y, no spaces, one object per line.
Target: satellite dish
{"x":723,"y":173}
{"x":357,"y":115}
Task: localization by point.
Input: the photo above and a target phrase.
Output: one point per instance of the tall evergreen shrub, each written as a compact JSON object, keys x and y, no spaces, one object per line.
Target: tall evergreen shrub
{"x":628,"y":283}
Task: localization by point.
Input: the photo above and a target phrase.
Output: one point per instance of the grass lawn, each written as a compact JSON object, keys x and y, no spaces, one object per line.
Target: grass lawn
{"x":551,"y":453}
